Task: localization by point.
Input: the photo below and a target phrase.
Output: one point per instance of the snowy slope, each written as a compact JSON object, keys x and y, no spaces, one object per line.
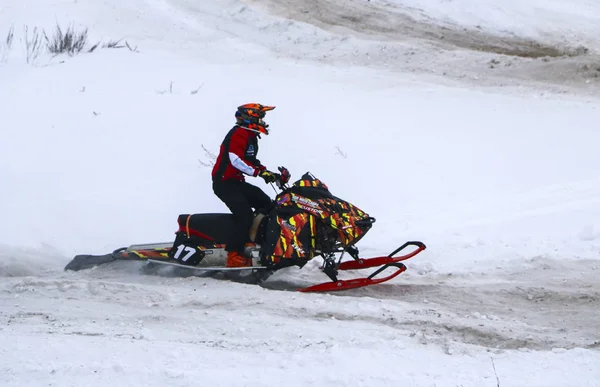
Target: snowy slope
{"x":103,"y":150}
{"x":536,"y":19}
{"x":497,"y":43}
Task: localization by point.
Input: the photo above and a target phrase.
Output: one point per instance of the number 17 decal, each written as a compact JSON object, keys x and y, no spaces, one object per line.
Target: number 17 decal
{"x":189,"y":251}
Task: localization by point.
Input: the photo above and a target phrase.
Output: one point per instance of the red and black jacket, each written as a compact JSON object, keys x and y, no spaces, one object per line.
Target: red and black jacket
{"x":237,"y":156}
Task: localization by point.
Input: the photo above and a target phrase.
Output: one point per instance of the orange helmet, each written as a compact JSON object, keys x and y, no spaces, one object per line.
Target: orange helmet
{"x":251,"y":116}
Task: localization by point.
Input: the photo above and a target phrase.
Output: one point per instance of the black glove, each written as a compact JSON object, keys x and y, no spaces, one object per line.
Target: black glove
{"x":268,"y":176}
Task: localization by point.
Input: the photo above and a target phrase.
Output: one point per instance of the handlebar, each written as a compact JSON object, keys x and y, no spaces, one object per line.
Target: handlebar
{"x":283,"y":178}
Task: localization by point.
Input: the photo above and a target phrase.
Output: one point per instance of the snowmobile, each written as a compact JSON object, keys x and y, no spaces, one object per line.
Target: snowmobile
{"x":305,"y":222}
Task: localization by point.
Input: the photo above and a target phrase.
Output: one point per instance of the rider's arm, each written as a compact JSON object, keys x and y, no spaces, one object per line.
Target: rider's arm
{"x":237,"y":147}
{"x":240,"y":164}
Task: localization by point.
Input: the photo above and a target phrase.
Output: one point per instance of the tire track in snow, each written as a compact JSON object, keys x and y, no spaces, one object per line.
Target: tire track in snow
{"x":408,"y":40}
{"x":541,"y":305}
{"x":550,"y":304}
{"x":388,"y":22}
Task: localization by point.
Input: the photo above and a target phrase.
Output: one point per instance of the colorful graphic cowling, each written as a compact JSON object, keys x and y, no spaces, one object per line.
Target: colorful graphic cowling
{"x":311,"y":221}
{"x":296,"y":238}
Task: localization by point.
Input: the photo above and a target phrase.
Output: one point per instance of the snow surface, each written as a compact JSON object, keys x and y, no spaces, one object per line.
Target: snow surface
{"x":575,"y":19}
{"x":497,"y":174}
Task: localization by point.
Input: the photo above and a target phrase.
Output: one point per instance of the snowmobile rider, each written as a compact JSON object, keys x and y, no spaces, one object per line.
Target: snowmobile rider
{"x":237,"y":157}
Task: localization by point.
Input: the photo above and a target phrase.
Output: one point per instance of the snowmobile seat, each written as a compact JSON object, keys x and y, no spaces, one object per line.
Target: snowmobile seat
{"x":213,"y":228}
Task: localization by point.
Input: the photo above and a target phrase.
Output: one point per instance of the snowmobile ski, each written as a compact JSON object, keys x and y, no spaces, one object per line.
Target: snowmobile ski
{"x":362,"y":263}
{"x":357,"y":282}
{"x":331,"y":269}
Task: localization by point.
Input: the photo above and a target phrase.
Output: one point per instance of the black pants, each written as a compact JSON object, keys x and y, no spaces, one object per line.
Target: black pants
{"x":241,"y":197}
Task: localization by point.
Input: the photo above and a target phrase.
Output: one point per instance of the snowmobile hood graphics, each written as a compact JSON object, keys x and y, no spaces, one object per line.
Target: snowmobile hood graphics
{"x":309,"y":203}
